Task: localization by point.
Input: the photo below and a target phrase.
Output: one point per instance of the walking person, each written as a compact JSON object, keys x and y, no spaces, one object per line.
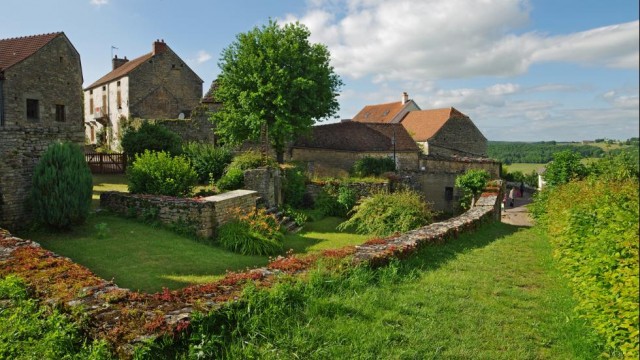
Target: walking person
{"x":511,"y":195}
{"x":521,"y":189}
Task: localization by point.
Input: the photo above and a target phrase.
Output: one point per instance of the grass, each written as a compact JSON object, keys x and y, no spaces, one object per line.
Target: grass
{"x":107,"y":182}
{"x":492,"y":294}
{"x":525,"y":168}
{"x":321,"y":235}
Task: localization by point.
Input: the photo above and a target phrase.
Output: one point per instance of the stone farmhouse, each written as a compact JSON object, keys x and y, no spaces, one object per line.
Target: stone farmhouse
{"x":40,"y":103}
{"x":334,"y":148}
{"x":156,"y":85}
{"x":444,"y":132}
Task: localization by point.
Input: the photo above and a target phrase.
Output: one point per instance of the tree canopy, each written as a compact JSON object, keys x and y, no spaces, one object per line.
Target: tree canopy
{"x":565,"y":167}
{"x":471,"y":183}
{"x":272,"y":78}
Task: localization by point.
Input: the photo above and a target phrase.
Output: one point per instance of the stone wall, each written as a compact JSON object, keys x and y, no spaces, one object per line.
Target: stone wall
{"x":20,"y":149}
{"x":321,"y":162}
{"x":197,"y":129}
{"x":200,"y":217}
{"x":461,"y":134}
{"x":267,"y":182}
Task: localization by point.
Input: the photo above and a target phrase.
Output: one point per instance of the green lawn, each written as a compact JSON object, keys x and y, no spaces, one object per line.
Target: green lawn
{"x":321,"y":235}
{"x":492,"y":294}
{"x":525,"y":168}
{"x":107,"y":182}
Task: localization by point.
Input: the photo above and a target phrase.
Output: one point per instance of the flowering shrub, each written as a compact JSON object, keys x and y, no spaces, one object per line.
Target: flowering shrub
{"x":257,"y":233}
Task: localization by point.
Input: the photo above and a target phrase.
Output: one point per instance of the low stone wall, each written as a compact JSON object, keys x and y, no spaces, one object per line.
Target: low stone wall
{"x":267,"y":182}
{"x":197,"y":216}
{"x":57,"y":280}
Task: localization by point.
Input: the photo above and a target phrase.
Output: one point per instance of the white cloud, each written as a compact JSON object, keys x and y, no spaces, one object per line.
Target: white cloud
{"x":99,"y":3}
{"x":203,"y":57}
{"x":405,"y":39}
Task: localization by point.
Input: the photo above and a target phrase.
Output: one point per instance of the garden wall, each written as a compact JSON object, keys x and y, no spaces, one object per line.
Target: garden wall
{"x":196,"y":216}
{"x":110,"y":309}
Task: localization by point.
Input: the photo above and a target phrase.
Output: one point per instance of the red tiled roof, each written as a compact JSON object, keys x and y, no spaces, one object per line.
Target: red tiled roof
{"x":381,"y":113}
{"x":424,"y":124}
{"x":14,"y":50}
{"x":121,"y":71}
{"x":357,"y":136}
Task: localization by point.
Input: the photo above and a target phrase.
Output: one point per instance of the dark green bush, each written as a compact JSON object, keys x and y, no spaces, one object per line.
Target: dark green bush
{"x":383,"y":214}
{"x":257,"y":233}
{"x":150,"y":137}
{"x":62,"y":185}
{"x":336,"y":200}
{"x":207,"y":160}
{"x":293,"y":186}
{"x":593,"y":226}
{"x":231,"y":180}
{"x":373,"y":166}
{"x":160,"y":174}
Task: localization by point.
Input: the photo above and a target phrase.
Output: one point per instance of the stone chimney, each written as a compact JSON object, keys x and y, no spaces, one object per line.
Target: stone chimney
{"x":116,"y":63}
{"x":405,"y":98}
{"x":159,"y":46}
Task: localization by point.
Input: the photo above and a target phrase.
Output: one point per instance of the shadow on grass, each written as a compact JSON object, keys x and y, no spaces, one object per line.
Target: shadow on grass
{"x":433,"y":256}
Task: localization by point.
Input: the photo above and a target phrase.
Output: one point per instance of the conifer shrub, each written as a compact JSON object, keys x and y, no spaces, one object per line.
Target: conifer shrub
{"x":158,"y":173}
{"x":152,"y":137}
{"x":373,"y":166}
{"x":62,"y":186}
{"x":257,"y":233}
{"x":207,"y":160}
{"x":383,"y":214}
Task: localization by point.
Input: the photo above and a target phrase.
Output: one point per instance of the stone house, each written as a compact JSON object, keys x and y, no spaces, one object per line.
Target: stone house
{"x":438,"y":131}
{"x":40,"y":103}
{"x":156,"y":85}
{"x":333,"y":148}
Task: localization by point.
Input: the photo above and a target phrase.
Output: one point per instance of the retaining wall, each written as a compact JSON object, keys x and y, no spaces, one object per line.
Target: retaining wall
{"x":197,"y":216}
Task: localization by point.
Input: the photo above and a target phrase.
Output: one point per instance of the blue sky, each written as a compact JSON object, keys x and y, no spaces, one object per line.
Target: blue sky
{"x":522,"y":70}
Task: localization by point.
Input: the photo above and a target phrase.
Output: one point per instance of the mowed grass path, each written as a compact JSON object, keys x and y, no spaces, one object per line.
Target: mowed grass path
{"x":492,"y":294}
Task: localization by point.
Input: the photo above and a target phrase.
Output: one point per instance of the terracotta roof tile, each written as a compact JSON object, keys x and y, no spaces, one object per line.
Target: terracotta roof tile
{"x":14,"y":50}
{"x":357,"y":136}
{"x":424,"y":124}
{"x":121,"y":71}
{"x":381,"y":113}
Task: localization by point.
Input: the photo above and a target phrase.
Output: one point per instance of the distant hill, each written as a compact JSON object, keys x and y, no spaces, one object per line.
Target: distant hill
{"x":509,"y":152}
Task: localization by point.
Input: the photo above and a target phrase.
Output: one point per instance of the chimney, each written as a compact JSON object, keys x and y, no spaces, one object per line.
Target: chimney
{"x":159,"y":46}
{"x":405,"y":98}
{"x":116,"y":63}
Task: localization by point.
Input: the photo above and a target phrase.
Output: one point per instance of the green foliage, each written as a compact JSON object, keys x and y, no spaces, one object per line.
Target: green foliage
{"x":31,"y":331}
{"x":257,"y":233}
{"x":207,"y":160}
{"x":272,"y":77}
{"x":471,"y":183}
{"x":160,"y":174}
{"x":536,"y":152}
{"x":62,"y":185}
{"x":336,"y":200}
{"x":152,"y":137}
{"x":384,"y":214}
{"x":298,"y":216}
{"x":233,"y":179}
{"x":565,"y":167}
{"x":293,"y":186}
{"x":616,"y":167}
{"x":373,"y":166}
{"x":593,"y":225}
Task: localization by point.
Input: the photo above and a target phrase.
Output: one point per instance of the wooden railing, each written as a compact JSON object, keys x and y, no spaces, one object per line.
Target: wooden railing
{"x":115,"y":163}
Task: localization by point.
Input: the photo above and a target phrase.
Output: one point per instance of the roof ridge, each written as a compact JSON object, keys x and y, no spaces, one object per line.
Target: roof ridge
{"x":32,"y":36}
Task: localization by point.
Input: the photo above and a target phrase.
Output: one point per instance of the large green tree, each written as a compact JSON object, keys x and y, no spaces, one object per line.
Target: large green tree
{"x":274,"y":81}
{"x":566,"y":166}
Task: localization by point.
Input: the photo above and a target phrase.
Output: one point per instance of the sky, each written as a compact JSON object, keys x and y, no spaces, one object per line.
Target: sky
{"x":522,"y":70}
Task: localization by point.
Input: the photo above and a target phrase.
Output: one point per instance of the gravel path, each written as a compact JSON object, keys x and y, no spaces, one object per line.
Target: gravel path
{"x":518,"y":214}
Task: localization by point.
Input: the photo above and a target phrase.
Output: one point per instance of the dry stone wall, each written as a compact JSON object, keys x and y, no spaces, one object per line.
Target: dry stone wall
{"x":199,"y":216}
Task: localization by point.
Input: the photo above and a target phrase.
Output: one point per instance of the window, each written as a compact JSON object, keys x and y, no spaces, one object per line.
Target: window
{"x":60,"y":114}
{"x":104,"y":88}
{"x":33,"y":109}
{"x":91,"y":105}
{"x":448,"y":193}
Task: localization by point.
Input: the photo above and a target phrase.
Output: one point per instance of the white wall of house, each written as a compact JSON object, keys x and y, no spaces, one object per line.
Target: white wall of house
{"x":106,"y":101}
